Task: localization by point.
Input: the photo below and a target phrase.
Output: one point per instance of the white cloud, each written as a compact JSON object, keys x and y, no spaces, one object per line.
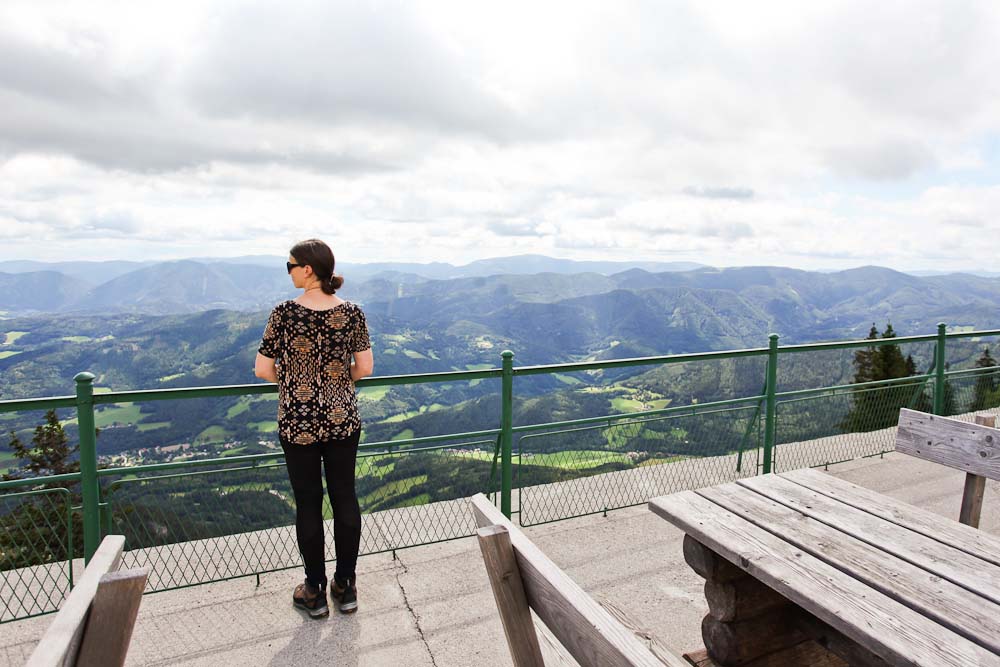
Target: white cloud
{"x":819,"y":135}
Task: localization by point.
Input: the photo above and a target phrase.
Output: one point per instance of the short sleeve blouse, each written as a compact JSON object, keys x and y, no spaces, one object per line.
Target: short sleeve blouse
{"x":312,"y":353}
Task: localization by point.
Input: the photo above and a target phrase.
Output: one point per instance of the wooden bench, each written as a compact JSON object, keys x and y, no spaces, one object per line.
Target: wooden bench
{"x":524,"y":579}
{"x":94,"y":625}
{"x":974,"y":448}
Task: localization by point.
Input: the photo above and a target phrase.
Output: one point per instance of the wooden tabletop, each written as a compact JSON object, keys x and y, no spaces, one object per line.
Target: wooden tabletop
{"x":910,"y":586}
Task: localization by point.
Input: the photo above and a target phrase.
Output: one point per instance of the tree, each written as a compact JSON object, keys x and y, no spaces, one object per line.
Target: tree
{"x":50,"y":453}
{"x":984,"y":394}
{"x":876,"y":407}
{"x":33,"y":528}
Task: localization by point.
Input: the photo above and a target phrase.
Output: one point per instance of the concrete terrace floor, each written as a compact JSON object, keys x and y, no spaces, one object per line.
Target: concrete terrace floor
{"x":433,"y":606}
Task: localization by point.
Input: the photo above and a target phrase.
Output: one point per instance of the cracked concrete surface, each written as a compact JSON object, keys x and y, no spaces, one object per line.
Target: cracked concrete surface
{"x":433,"y":606}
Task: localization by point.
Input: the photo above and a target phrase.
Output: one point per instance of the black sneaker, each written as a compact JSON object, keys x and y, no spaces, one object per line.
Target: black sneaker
{"x":345,"y":594}
{"x":311,"y":599}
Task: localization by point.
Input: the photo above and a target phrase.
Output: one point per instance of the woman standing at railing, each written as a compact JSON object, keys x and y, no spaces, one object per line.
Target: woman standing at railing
{"x":315,"y":347}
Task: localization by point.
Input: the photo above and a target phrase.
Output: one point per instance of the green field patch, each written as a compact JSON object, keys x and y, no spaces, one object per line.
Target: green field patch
{"x":405,"y":434}
{"x":264,"y":427}
{"x":375,"y":467}
{"x":12,"y":337}
{"x":389,"y":350}
{"x":234,"y":451}
{"x":152,"y":426}
{"x":622,"y":404}
{"x":659,"y":460}
{"x":422,"y":499}
{"x":573,"y":459}
{"x":396,"y":338}
{"x":77,"y":339}
{"x":123,"y":413}
{"x":567,"y":379}
{"x":214,"y":433}
{"x":373,"y":393}
{"x":478,"y":367}
{"x":395,"y":488}
{"x":413,"y":354}
{"x":659,"y":403}
{"x":403,"y":416}
{"x":9,"y":353}
{"x":168,"y":378}
{"x":241,"y":406}
{"x":119,"y":414}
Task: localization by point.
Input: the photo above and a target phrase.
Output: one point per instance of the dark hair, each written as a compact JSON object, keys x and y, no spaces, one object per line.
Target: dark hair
{"x":318,"y":255}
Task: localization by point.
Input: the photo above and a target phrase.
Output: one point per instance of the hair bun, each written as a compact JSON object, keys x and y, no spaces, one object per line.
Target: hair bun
{"x":333,"y":283}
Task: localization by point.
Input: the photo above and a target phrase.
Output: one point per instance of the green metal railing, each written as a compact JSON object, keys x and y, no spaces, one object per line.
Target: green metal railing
{"x":540,"y":472}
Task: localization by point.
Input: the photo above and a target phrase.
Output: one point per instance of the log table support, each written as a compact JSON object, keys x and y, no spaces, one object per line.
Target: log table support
{"x":739,"y":630}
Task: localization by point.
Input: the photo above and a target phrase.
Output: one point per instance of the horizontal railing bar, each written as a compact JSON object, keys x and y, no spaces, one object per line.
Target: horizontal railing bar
{"x":50,"y":479}
{"x":866,"y":342}
{"x":874,"y":384}
{"x":48,"y":403}
{"x":392,"y":446}
{"x":988,"y":370}
{"x":691,"y":409}
{"x":120,"y":482}
{"x":973,"y":334}
{"x":270,"y":388}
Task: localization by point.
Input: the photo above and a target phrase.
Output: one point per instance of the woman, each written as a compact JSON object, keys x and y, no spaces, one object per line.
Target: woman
{"x":315,"y":347}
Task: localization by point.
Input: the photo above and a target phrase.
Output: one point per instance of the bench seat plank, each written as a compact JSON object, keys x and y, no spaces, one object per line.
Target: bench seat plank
{"x":941,"y":559}
{"x":966,"y":538}
{"x":960,"y":610}
{"x":61,"y":641}
{"x":879,"y":623}
{"x":588,"y":631}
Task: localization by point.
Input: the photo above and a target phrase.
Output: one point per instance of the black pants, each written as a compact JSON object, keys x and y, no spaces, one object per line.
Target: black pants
{"x":338,"y":458}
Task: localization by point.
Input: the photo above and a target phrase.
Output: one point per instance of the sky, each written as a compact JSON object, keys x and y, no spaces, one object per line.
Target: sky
{"x":818,"y":135}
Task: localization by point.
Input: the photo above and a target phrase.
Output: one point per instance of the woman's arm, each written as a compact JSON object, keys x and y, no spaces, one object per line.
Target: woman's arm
{"x":263,"y":367}
{"x":363,"y":364}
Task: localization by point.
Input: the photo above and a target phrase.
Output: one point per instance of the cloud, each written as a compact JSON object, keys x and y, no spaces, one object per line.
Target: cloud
{"x":719,"y":192}
{"x":413,"y":130}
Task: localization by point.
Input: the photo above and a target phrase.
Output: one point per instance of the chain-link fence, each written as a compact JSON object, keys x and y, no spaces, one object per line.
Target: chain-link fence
{"x":36,"y":549}
{"x":575,"y":471}
{"x":200,"y":526}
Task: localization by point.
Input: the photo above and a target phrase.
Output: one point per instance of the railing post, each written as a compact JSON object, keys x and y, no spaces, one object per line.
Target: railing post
{"x":939,"y":370}
{"x":770,"y":401}
{"x":88,"y":464}
{"x":506,"y":432}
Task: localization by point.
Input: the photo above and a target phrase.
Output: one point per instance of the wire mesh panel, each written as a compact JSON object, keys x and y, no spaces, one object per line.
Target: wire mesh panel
{"x":36,"y":547}
{"x":572,"y":472}
{"x":843,"y":424}
{"x":971,"y":392}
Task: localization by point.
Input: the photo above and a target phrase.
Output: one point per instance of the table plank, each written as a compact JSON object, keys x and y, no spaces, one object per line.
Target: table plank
{"x":941,"y":559}
{"x":884,"y":626}
{"x":970,"y":540}
{"x":960,"y":610}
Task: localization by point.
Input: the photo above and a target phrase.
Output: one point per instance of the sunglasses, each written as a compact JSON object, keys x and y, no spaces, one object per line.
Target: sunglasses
{"x":290,"y":266}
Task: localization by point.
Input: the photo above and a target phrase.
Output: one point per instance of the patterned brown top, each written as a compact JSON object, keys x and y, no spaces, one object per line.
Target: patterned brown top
{"x":312,"y":353}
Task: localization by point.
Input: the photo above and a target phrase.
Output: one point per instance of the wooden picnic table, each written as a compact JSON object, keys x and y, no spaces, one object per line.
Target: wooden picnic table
{"x":805,"y":568}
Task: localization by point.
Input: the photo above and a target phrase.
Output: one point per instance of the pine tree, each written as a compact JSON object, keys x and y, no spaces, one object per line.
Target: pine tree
{"x":34,"y":531}
{"x":50,"y":453}
{"x":984,"y":394}
{"x":878,"y":407}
